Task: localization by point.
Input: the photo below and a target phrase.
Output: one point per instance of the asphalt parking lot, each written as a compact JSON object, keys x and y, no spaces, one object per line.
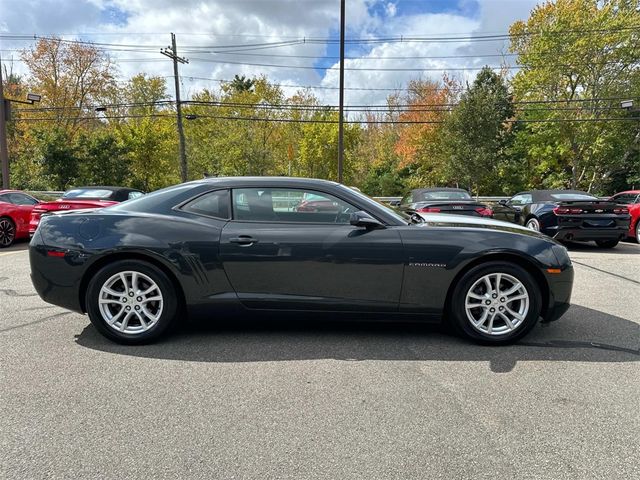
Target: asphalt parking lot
{"x":304,"y":400}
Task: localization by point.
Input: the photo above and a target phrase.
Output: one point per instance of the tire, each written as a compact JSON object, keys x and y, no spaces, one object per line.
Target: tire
{"x":638,"y":231}
{"x":131,"y":319}
{"x":500,"y":333}
{"x":607,"y":243}
{"x":533,"y":224}
{"x":7,"y":232}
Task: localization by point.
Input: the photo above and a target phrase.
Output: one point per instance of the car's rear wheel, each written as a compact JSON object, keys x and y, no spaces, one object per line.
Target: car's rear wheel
{"x":607,"y":243}
{"x":533,"y":224}
{"x":7,"y":232}
{"x":131,"y":302}
{"x":496,"y":303}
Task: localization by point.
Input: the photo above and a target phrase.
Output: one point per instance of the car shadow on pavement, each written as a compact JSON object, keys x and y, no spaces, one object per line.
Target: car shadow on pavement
{"x":584,"y":335}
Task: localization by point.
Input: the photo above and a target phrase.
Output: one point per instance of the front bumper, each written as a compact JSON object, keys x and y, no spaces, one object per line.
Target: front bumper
{"x":560,"y":287}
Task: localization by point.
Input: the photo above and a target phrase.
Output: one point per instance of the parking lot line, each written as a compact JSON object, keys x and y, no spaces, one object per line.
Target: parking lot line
{"x":11,"y":253}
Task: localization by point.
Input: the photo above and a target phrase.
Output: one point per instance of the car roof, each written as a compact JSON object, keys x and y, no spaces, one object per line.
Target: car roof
{"x":632,"y":192}
{"x":265,"y":181}
{"x":436,"y":189}
{"x":101,"y":187}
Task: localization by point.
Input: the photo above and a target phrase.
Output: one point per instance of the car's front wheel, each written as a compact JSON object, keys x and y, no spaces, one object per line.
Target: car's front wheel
{"x":7,"y":232}
{"x":638,"y":231}
{"x":131,"y":302}
{"x":607,"y":243}
{"x":533,"y":224}
{"x":495,"y":303}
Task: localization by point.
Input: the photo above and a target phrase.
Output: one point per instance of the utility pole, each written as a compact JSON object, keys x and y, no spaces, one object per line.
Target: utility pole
{"x":172,"y":53}
{"x":341,"y":103}
{"x":4,"y":151}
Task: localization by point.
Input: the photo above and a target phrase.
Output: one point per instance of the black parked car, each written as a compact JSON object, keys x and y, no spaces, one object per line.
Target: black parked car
{"x":228,"y":245}
{"x":567,"y":215}
{"x":442,"y":200}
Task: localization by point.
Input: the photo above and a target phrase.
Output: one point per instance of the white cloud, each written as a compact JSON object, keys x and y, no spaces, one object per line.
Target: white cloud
{"x":147,"y":23}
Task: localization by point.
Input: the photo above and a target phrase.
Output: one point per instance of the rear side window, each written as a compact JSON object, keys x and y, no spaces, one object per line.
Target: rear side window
{"x":133,"y":195}
{"x":21,"y":199}
{"x":212,"y":204}
{"x":521,"y":199}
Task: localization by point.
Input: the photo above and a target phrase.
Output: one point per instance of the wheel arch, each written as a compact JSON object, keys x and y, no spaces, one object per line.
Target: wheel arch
{"x":519,"y":260}
{"x":114,"y":257}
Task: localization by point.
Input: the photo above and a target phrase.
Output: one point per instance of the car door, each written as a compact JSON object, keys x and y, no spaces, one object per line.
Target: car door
{"x":277,"y":255}
{"x":24,"y":206}
{"x":510,"y":210}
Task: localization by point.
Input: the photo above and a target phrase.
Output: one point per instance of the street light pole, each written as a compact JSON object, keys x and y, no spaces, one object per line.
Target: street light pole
{"x":341,"y":102}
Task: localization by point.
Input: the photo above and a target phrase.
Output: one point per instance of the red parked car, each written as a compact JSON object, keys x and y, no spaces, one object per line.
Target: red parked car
{"x":15,"y":212}
{"x":631,"y":199}
{"x":81,"y":198}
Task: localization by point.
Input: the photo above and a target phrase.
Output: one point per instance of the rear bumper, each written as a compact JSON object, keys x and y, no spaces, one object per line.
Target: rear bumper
{"x":57,"y":280}
{"x":586,"y":234}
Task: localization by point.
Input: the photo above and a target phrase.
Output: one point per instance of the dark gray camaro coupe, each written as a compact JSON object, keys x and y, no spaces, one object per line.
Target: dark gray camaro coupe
{"x":290,"y":244}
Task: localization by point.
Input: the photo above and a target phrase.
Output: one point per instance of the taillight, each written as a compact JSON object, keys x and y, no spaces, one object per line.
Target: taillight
{"x":567,"y":211}
{"x":621,"y":210}
{"x":484,"y":212}
{"x":428,"y":210}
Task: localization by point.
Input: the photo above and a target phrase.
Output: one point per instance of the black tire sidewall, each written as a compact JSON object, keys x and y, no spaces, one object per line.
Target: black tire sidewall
{"x":169,"y":310}
{"x":458,"y":316}
{"x":15,"y":232}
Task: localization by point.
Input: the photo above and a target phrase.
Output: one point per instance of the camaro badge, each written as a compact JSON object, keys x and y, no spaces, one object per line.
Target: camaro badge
{"x":421,"y":264}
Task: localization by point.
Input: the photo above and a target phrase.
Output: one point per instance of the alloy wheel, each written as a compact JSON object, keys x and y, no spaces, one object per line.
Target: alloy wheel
{"x":533,"y":224}
{"x":497,"y":304}
{"x":130,"y":302}
{"x":7,"y":232}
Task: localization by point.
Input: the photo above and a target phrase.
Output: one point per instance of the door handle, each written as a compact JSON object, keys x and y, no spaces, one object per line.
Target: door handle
{"x":243,"y":240}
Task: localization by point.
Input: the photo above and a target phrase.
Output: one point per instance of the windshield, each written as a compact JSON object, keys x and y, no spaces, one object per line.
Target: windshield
{"x":444,"y":195}
{"x":88,"y":193}
{"x":400,"y":216}
{"x":572,"y":196}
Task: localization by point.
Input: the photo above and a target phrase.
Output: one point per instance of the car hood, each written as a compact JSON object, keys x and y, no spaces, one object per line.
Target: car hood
{"x":432,"y":220}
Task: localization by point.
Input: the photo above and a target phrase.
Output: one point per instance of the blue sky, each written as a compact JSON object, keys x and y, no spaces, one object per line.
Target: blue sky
{"x":147,"y":24}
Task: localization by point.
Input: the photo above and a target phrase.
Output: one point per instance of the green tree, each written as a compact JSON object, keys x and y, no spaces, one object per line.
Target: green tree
{"x":102,"y":159}
{"x":583,"y":53}
{"x":477,"y":135}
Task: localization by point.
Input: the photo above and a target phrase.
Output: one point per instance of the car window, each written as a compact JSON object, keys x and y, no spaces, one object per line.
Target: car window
{"x":212,"y":204}
{"x":626,"y":198}
{"x":21,"y":199}
{"x":88,"y":193}
{"x":572,"y":196}
{"x":133,"y":195}
{"x":521,"y":199}
{"x":446,"y":195}
{"x":289,"y":205}
{"x":4,"y":198}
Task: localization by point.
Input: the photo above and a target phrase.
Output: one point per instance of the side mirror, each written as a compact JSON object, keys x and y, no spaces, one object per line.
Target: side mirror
{"x":363,"y":219}
{"x":503,"y":202}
